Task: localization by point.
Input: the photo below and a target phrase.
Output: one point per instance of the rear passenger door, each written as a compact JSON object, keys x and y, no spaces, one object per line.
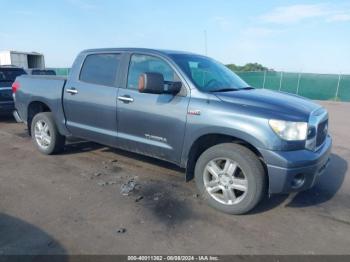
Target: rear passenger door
{"x":90,"y":98}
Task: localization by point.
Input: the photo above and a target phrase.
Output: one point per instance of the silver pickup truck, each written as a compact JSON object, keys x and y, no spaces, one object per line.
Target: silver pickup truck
{"x":238,"y":142}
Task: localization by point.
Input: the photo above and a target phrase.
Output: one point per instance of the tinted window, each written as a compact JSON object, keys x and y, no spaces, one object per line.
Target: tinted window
{"x":100,"y":69}
{"x":10,"y":74}
{"x":140,"y":64}
{"x":43,"y":72}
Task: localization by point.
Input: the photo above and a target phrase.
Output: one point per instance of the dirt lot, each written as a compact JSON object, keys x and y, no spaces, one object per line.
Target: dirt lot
{"x":71,"y":204}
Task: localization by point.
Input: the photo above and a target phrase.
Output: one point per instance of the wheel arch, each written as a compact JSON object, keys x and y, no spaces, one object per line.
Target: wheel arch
{"x":34,"y":108}
{"x":206,"y":141}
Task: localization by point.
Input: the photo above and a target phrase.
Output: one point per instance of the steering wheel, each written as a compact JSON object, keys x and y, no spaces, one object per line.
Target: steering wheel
{"x":211,"y":83}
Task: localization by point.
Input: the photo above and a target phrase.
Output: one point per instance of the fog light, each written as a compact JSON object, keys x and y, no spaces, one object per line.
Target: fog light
{"x":298,"y":181}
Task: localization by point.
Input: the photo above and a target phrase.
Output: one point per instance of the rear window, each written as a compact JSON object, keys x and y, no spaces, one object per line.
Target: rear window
{"x":44,"y":72}
{"x":100,"y":69}
{"x":10,"y":74}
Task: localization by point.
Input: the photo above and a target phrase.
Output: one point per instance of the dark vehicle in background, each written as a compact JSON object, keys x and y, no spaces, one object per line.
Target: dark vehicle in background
{"x":48,"y":72}
{"x":238,"y":142}
{"x":8,"y":75}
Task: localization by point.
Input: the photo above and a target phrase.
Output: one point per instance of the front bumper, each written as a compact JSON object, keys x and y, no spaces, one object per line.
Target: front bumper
{"x":284,"y":167}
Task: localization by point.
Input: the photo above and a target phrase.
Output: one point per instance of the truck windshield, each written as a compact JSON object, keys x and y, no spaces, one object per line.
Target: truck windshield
{"x":207,"y":74}
{"x":10,"y":74}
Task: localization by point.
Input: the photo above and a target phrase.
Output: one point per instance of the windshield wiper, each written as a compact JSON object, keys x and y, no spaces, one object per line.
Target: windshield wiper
{"x":224,"y":90}
{"x":232,"y":89}
{"x":247,"y":88}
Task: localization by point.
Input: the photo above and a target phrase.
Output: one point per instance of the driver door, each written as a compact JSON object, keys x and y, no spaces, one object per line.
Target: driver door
{"x":151,"y":124}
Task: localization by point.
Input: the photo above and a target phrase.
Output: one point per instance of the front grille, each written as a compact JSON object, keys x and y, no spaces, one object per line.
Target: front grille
{"x":322,"y":132}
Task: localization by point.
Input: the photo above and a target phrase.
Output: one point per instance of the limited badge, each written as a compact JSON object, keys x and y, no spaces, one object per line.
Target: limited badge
{"x":194,"y":112}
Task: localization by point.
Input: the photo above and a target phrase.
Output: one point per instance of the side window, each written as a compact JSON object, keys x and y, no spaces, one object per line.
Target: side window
{"x":100,"y":69}
{"x":140,"y":64}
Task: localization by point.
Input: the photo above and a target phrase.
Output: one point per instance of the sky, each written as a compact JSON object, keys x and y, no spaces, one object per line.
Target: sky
{"x":297,"y":36}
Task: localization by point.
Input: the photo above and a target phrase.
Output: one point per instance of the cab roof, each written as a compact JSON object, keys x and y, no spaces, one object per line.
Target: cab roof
{"x":144,"y":50}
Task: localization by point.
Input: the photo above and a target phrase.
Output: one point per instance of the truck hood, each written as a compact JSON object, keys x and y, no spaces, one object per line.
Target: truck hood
{"x":273,"y":102}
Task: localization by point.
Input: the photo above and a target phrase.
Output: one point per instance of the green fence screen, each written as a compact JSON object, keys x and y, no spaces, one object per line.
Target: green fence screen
{"x":61,"y":71}
{"x":313,"y":86}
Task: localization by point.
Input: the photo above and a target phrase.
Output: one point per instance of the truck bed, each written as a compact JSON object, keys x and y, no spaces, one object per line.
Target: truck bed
{"x":44,"y":77}
{"x":40,"y":89}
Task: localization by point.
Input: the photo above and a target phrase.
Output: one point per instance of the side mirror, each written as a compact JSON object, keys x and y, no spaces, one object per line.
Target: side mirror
{"x":152,"y":83}
{"x":173,"y":87}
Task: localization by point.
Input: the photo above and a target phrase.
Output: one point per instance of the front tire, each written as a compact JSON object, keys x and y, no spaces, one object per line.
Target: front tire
{"x":45,"y":134}
{"x":231,"y":178}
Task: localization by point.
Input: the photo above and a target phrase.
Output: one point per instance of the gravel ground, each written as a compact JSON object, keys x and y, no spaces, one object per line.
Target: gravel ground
{"x":72,"y":204}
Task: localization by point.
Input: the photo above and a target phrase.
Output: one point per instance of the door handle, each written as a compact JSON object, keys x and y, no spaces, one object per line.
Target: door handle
{"x":126,"y":99}
{"x":72,"y":91}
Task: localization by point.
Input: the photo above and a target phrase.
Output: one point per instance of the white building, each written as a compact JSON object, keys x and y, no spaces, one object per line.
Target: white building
{"x":25,"y":60}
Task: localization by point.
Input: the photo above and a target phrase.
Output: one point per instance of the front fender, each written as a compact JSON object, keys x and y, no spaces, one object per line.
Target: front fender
{"x":238,"y":122}
{"x":192,"y":138}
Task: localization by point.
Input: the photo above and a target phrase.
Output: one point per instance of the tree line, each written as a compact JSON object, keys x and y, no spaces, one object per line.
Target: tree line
{"x":248,"y":67}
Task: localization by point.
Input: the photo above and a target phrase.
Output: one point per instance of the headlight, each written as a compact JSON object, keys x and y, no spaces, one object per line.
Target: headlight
{"x":290,"y":131}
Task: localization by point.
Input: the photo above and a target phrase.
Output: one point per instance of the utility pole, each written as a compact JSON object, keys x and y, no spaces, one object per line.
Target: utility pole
{"x":205,"y":42}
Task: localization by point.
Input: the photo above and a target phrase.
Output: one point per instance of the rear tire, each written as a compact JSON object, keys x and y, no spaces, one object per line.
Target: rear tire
{"x":45,"y":134}
{"x":231,"y":178}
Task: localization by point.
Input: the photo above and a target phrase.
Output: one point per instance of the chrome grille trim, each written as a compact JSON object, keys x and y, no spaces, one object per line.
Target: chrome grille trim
{"x":322,"y":133}
{"x":316,"y":117}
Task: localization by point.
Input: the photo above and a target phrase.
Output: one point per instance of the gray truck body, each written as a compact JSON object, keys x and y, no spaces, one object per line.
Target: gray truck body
{"x":171,"y":127}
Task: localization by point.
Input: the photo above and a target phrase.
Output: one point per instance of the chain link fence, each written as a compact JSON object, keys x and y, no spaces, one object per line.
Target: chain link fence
{"x":313,"y":86}
{"x":61,"y":71}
